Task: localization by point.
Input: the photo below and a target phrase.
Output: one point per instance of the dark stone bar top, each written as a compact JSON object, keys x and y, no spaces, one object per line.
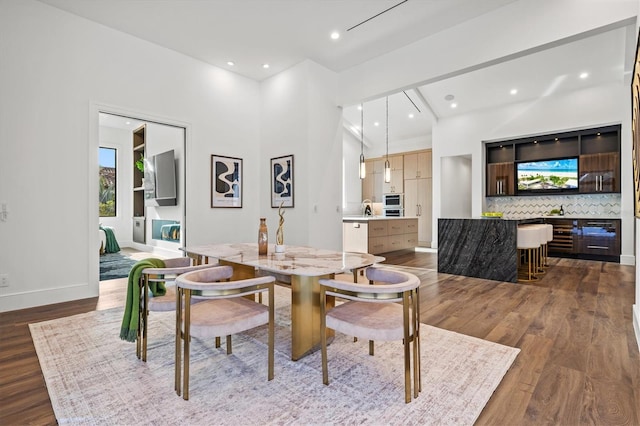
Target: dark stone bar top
{"x":480,"y":248}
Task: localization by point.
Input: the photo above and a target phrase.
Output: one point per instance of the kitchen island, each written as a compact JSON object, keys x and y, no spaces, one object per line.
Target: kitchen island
{"x":480,"y":248}
{"x":379,"y":234}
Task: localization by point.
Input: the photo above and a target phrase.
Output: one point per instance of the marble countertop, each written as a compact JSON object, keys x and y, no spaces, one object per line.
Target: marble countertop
{"x":296,"y":260}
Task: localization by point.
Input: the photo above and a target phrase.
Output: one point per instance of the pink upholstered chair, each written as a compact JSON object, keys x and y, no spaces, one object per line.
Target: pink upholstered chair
{"x":173,"y":268}
{"x":223,"y":310}
{"x":372,"y":313}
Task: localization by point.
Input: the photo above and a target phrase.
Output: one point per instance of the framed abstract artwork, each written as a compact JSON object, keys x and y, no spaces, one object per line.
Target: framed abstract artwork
{"x":282,"y":181}
{"x":226,"y":181}
{"x":635,"y":130}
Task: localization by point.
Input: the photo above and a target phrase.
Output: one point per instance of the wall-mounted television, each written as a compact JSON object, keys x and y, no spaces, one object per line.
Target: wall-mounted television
{"x":559,"y":175}
{"x":160,"y":180}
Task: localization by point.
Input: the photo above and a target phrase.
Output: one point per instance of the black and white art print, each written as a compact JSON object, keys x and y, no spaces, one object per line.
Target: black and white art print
{"x":226,"y":181}
{"x":282,"y":181}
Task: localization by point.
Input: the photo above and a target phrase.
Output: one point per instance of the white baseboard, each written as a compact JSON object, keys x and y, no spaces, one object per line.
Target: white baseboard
{"x":48,"y":296}
{"x":627,"y":259}
{"x":636,"y":323}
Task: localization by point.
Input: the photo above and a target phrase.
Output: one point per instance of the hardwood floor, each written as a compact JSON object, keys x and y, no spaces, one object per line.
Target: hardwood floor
{"x":579,"y":361}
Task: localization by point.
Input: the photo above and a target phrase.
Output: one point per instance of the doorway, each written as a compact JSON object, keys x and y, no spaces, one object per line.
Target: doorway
{"x":141,"y":224}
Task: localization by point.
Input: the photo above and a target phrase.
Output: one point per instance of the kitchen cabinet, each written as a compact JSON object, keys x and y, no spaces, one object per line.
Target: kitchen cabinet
{"x":586,"y":238}
{"x":565,"y":235}
{"x":500,"y":179}
{"x":418,"y":165}
{"x":372,"y":183}
{"x":599,"y":237}
{"x":417,"y":203}
{"x":377,"y":236}
{"x":597,"y":150}
{"x":396,"y":185}
{"x":599,"y":172}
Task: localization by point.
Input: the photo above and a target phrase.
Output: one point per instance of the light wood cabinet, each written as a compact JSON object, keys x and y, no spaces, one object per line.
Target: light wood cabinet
{"x":396,"y":184}
{"x":379,"y":235}
{"x":417,"y":165}
{"x":372,"y":183}
{"x":417,"y":203}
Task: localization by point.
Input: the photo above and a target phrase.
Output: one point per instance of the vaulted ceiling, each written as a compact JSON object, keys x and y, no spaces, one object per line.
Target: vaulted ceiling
{"x":282,"y":33}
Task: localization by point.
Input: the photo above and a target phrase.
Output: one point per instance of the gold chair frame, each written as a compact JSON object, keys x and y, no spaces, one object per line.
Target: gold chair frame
{"x":405,"y":292}
{"x":173,"y":268}
{"x":188,"y":289}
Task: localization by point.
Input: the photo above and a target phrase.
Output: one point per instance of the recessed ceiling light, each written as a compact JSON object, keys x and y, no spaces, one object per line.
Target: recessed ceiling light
{"x":335,"y":35}
{"x":359,"y":107}
{"x":231,"y":63}
{"x":454,"y":105}
{"x":411,"y":115}
{"x":514,"y":91}
{"x":449,"y":98}
{"x":376,"y":124}
{"x":584,"y":75}
{"x":265,"y":66}
{"x":127,"y":122}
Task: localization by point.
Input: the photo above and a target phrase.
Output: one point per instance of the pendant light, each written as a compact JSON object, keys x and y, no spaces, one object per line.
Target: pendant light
{"x":363,"y":167}
{"x":387,"y":166}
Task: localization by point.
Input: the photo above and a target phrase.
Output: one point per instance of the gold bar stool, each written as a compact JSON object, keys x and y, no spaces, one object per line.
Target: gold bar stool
{"x":528,"y":243}
{"x":549,"y":229}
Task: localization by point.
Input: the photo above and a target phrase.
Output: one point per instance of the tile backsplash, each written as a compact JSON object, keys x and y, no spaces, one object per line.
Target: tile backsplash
{"x":588,"y":205}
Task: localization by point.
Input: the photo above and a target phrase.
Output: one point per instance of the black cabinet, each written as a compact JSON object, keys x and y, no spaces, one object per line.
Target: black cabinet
{"x":597,"y":239}
{"x":597,"y":149}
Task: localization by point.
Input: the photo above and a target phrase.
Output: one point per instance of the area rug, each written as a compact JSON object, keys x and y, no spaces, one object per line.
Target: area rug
{"x":115,"y":265}
{"x":93,"y":377}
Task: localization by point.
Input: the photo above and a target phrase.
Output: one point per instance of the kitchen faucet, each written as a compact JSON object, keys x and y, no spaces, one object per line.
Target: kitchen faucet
{"x":366,"y":208}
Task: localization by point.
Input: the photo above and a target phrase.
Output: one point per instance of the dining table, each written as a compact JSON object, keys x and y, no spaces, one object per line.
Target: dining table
{"x":300,"y":268}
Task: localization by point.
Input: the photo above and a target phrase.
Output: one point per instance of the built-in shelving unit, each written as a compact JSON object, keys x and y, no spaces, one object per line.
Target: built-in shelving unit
{"x":138,"y":187}
{"x":597,"y":150}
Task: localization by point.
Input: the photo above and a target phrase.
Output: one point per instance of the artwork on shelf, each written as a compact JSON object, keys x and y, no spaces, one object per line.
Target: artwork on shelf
{"x":226,"y":181}
{"x":635,"y":130}
{"x":282,"y":181}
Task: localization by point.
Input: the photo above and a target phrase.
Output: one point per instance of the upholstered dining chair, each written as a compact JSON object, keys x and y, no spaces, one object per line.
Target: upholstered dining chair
{"x":372,"y":312}
{"x":150,"y":276}
{"x":225,"y":308}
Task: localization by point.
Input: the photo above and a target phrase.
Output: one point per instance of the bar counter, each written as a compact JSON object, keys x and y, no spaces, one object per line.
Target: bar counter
{"x":479,"y":248}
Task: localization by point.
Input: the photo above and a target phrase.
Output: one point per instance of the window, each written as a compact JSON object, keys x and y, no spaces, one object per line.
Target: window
{"x":107,"y":186}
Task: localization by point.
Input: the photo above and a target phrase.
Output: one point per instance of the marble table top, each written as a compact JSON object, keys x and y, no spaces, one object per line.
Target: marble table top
{"x":296,"y":260}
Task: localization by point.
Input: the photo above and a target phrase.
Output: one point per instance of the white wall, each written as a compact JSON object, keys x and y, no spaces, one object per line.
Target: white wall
{"x":300,"y":117}
{"x":455,"y":181}
{"x":54,"y":67}
{"x":593,"y":107}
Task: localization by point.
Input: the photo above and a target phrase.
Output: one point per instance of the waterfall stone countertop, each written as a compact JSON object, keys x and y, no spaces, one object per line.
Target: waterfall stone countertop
{"x":480,"y":248}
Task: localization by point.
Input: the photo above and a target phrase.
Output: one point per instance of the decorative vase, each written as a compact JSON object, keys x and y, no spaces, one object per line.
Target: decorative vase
{"x":263,"y":237}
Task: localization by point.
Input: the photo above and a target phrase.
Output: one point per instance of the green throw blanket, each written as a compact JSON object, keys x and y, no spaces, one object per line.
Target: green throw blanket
{"x":131,"y":319}
{"x":111,"y":243}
